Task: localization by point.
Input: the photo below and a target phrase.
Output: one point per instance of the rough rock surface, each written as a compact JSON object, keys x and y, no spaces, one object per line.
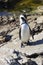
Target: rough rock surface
{"x":11,"y":52}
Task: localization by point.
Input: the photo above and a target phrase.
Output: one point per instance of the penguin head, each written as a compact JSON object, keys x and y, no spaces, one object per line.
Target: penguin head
{"x":22,"y":18}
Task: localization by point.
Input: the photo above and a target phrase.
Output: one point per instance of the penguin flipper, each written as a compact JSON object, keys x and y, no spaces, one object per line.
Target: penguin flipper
{"x":20,"y":33}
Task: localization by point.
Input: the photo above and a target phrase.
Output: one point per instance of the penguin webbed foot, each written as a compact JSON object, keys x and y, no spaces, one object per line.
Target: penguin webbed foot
{"x":22,"y":45}
{"x":25,"y":44}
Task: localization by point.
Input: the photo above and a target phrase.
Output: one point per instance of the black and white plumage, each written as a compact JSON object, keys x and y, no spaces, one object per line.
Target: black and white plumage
{"x":25,"y":31}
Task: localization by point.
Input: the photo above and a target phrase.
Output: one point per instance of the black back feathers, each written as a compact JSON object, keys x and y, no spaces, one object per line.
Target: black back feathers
{"x":20,"y":33}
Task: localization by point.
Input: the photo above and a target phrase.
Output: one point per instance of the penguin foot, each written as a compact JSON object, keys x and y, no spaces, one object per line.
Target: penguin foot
{"x":25,"y":44}
{"x":22,"y":45}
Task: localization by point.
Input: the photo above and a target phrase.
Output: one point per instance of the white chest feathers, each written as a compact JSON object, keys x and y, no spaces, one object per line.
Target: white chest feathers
{"x":25,"y":33}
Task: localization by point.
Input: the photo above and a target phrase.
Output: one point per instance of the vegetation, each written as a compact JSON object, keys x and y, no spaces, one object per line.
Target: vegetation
{"x":16,"y":5}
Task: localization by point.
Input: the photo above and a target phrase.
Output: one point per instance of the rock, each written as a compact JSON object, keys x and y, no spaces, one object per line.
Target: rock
{"x":29,"y":62}
{"x":11,"y":52}
{"x":3,"y":62}
{"x":10,"y":18}
{"x":14,"y":63}
{"x":36,"y":45}
{"x":7,"y":38}
{"x":39,"y":60}
{"x":40,"y":19}
{"x":2,"y":39}
{"x":4,"y":19}
{"x":32,"y":25}
{"x":23,"y":61}
{"x":40,"y":8}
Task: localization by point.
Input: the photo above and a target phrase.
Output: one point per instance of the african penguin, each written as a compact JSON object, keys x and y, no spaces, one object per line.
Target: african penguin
{"x":24,"y":32}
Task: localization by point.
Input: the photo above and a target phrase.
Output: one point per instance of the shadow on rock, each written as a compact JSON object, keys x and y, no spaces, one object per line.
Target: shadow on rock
{"x":14,"y":63}
{"x":17,"y":53}
{"x":37,"y":42}
{"x":8,"y":38}
{"x":30,"y":62}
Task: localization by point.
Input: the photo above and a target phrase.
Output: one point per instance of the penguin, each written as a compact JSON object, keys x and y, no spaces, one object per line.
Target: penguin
{"x":24,"y":31}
